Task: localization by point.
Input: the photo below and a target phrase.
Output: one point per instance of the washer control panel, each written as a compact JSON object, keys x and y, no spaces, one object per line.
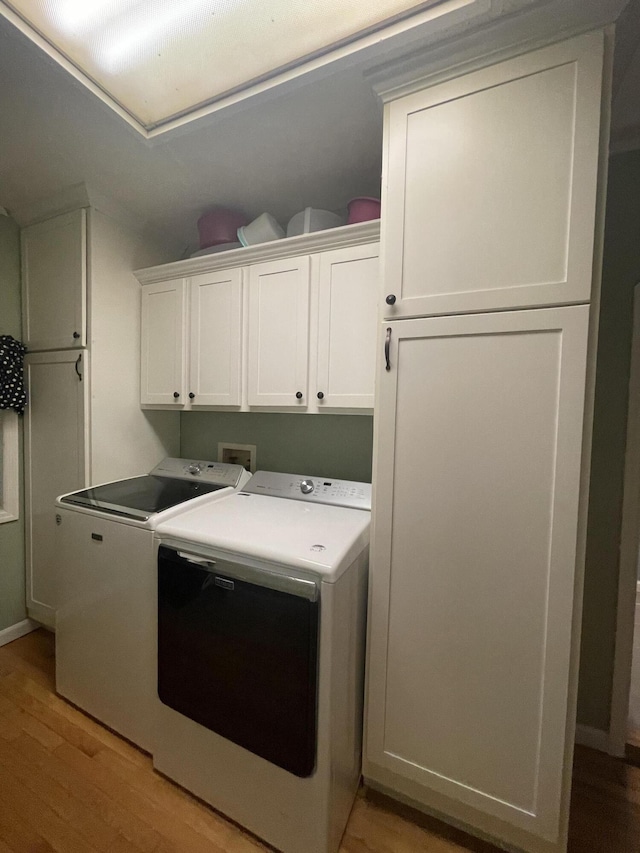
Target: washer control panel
{"x":197,"y":469}
{"x":321,"y":490}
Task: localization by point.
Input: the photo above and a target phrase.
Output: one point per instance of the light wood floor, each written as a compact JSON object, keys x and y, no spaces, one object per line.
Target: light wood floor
{"x":69,"y":785}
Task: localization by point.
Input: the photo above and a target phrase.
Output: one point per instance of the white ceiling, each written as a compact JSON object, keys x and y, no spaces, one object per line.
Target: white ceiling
{"x":317,"y":145}
{"x":159,"y":60}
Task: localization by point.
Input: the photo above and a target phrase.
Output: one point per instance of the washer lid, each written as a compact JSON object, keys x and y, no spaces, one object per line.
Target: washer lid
{"x":140,"y":497}
{"x":320,"y":539}
{"x":170,"y":484}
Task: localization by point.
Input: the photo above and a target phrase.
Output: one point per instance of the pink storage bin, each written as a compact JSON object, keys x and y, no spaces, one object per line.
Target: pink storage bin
{"x":362,"y":209}
{"x":219,"y":225}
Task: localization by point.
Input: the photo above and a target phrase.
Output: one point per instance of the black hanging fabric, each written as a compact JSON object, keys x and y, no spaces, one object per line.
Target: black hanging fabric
{"x":12,"y":391}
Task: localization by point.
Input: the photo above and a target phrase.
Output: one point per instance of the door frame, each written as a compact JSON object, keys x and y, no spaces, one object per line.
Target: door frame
{"x":629,"y":553}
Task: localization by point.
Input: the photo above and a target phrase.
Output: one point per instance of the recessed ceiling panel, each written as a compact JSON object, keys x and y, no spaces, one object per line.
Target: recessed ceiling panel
{"x":160,"y":58}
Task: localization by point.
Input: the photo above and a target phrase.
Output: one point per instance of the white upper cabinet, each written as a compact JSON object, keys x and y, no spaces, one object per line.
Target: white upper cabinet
{"x":279,"y":293}
{"x":192,"y":341}
{"x":215,"y":348}
{"x":490,"y":185}
{"x":54,"y":282}
{"x":266,"y":326}
{"x":348,"y":283}
{"x":162,"y":365}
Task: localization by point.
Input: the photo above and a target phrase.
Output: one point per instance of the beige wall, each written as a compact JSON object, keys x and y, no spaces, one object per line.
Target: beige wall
{"x":620,"y":273}
{"x":12,"y":604}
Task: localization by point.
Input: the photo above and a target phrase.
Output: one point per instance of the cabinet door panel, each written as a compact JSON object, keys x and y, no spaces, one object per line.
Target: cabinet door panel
{"x":163,"y":343}
{"x":279,"y":332}
{"x":54,"y":282}
{"x":216,"y":338}
{"x":491,"y":185}
{"x":474,"y":545}
{"x":113,"y":677}
{"x":347,"y":326}
{"x":55,"y":428}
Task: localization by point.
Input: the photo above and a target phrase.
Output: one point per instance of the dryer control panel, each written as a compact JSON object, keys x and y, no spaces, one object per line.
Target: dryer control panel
{"x":197,"y":469}
{"x":320,"y":490}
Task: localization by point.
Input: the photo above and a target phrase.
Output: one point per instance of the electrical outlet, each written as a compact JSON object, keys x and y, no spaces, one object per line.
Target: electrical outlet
{"x":238,"y":454}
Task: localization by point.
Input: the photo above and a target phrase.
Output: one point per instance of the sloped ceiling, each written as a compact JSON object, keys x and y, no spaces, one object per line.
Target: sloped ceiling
{"x":318,"y":145}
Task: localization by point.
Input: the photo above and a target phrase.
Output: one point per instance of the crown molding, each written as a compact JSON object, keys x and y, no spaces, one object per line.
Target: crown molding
{"x":304,"y":244}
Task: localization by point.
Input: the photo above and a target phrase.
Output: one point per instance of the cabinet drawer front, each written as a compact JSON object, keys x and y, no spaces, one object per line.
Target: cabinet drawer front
{"x":162,"y":380}
{"x":474,"y":565}
{"x":279,"y":333}
{"x":491,"y":185}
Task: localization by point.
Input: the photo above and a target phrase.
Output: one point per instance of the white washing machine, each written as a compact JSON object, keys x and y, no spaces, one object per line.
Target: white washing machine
{"x":106,"y":588}
{"x":261,"y":633}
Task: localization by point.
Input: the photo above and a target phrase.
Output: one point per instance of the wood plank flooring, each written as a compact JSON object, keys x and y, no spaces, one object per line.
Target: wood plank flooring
{"x":68,"y":785}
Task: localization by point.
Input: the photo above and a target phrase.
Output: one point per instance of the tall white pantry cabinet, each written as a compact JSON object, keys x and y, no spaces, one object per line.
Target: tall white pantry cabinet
{"x":490,"y":184}
{"x":83,"y":423}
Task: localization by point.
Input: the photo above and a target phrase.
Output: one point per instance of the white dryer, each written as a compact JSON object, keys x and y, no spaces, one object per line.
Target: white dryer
{"x":105,"y":587}
{"x":261,"y":632}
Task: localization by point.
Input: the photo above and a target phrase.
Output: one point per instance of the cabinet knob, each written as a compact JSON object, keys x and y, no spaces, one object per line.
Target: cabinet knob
{"x":76,"y":335}
{"x":299,"y":395}
{"x":320,"y":395}
{"x":176,"y":394}
{"x":391,"y":299}
{"x":191,"y":395}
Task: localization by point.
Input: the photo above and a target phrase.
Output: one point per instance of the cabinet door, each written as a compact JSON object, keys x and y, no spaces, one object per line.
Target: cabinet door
{"x":106,"y":622}
{"x":54,"y":282}
{"x":491,"y":185}
{"x":279,"y":332}
{"x":55,"y":430}
{"x":474,"y":569}
{"x":163,"y":363}
{"x":347,"y":326}
{"x":216,"y":339}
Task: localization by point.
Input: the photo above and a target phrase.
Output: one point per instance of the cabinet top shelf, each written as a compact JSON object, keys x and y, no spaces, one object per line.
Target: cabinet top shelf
{"x":317,"y":241}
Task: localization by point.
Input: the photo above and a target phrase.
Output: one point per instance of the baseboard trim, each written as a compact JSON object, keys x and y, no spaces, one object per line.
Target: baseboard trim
{"x":14,"y":632}
{"x":594,"y":738}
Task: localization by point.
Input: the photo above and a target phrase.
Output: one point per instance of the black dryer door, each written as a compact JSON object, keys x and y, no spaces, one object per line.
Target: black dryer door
{"x":238,"y":653}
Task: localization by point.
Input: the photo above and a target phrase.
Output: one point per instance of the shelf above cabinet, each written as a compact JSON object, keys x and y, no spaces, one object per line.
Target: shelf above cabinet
{"x":318,"y":241}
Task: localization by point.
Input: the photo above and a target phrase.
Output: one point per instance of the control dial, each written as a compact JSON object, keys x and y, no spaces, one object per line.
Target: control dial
{"x":306,"y":487}
{"x":194,"y":468}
